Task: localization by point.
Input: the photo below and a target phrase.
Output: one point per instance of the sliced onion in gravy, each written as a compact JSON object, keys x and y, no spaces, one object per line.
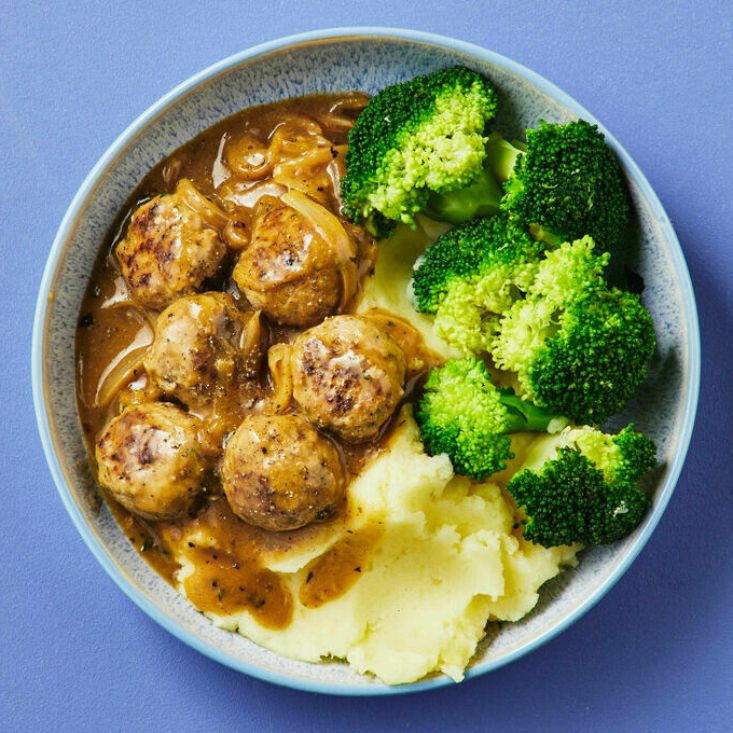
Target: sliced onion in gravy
{"x":207,"y":209}
{"x":122,"y":370}
{"x":278,"y":361}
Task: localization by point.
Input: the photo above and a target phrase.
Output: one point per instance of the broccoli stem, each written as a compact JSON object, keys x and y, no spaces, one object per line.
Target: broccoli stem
{"x":501,"y":156}
{"x":522,"y":415}
{"x":545,"y":235}
{"x":481,"y":198}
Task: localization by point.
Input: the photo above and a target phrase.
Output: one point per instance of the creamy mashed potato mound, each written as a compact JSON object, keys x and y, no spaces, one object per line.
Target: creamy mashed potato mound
{"x":445,"y":562}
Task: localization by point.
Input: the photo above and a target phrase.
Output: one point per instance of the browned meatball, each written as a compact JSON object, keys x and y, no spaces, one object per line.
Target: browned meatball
{"x":168,"y":251}
{"x":204,"y":345}
{"x":149,"y":460}
{"x":289,"y":270}
{"x":279,"y":473}
{"x":348,"y":376}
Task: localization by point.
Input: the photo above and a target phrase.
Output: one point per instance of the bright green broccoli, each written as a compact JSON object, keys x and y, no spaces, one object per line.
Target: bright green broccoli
{"x":423,"y":135}
{"x":463,"y":414}
{"x":473,"y":250}
{"x":482,"y":197}
{"x":582,"y":485}
{"x":579,"y":348}
{"x":473,"y":273}
{"x":566,"y":184}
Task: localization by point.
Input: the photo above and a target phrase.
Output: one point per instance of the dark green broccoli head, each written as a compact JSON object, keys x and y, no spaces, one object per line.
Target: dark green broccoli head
{"x":569,"y":184}
{"x":583,"y":487}
{"x":597,"y":359}
{"x":463,"y":414}
{"x":569,"y":501}
{"x":423,"y":135}
{"x":638,"y":454}
{"x":469,"y":251}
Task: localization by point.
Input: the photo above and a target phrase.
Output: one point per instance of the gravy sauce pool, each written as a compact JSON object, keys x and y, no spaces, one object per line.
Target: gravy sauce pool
{"x":338,"y":568}
{"x":234,"y":163}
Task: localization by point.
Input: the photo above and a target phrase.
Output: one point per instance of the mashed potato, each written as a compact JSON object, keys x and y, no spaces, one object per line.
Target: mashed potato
{"x":388,"y":288}
{"x":445,"y":562}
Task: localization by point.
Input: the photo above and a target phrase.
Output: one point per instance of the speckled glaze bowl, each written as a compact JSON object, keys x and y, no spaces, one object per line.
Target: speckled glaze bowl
{"x":327,"y":61}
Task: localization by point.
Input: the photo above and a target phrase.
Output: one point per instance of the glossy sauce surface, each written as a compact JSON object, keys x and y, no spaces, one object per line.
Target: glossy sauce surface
{"x":334,"y":572}
{"x":297,"y":144}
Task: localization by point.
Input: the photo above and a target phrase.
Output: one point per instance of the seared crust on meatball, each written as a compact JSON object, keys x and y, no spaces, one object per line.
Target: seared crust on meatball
{"x":289,"y":270}
{"x":280,"y":474}
{"x":149,"y":460}
{"x":348,"y":376}
{"x":168,"y":251}
{"x":204,"y":345}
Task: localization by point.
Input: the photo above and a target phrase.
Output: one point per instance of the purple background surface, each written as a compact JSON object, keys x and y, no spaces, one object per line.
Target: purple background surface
{"x":655,"y":655}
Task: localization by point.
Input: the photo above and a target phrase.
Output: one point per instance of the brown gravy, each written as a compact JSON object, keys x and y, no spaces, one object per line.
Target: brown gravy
{"x":334,"y":572}
{"x":229,"y":572}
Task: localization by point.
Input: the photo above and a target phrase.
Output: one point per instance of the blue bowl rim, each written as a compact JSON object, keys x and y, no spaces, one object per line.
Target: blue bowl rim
{"x":66,"y":227}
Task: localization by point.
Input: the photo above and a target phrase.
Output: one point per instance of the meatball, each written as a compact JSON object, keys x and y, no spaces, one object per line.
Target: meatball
{"x":279,"y":473}
{"x":204,"y":345}
{"x":168,"y":251}
{"x":288,"y":271}
{"x":348,"y":376}
{"x":149,"y":460}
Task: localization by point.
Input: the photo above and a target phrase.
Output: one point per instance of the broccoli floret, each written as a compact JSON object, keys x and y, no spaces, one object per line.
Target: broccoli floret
{"x":578,"y":347}
{"x":471,"y":251}
{"x":598,"y":358}
{"x":463,"y":414}
{"x":423,"y":135}
{"x":582,"y":485}
{"x":564,"y":183}
{"x":567,"y":270}
{"x":483,"y":196}
{"x":558,"y":279}
{"x":471,"y":274}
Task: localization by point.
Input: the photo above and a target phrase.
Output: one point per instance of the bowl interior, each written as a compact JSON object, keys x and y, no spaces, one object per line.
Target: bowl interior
{"x":664,"y":409}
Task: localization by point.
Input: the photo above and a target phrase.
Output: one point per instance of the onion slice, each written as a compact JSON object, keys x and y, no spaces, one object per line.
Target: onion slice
{"x":332,"y":231}
{"x":248,"y":158}
{"x":236,"y":235}
{"x":195,"y":200}
{"x":278,"y":361}
{"x":119,"y":374}
{"x":342,"y":115}
{"x":252,"y":333}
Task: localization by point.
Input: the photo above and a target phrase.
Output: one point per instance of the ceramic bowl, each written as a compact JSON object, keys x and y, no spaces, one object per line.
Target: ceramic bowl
{"x":327,"y":61}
